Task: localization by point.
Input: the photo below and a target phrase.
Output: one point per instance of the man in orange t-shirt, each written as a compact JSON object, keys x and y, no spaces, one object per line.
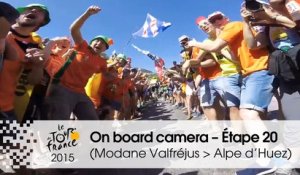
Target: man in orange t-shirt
{"x":210,"y":72}
{"x":21,"y":71}
{"x":127,"y":94}
{"x":70,"y":96}
{"x":112,"y":94}
{"x":256,"y":90}
{"x":110,"y":91}
{"x":55,"y":51}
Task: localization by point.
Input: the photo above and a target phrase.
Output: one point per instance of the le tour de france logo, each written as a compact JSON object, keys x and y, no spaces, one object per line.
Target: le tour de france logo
{"x":62,"y":138}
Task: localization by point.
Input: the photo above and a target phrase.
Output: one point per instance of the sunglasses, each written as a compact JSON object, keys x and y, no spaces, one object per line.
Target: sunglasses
{"x":215,"y":18}
{"x":202,"y":25}
{"x":183,"y":43}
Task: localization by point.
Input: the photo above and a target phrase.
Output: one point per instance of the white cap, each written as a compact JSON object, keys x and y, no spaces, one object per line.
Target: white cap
{"x":215,"y":14}
{"x":183,"y":37}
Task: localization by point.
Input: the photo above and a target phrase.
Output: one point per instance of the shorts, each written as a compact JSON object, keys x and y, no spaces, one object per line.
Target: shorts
{"x":189,"y":88}
{"x":112,"y":103}
{"x":257,"y":91}
{"x":209,"y":90}
{"x":231,"y":86}
{"x":62,"y":101}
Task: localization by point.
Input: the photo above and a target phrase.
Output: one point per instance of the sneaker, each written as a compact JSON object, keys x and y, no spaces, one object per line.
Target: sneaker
{"x":204,"y":117}
{"x":175,"y":104}
{"x":189,"y":118}
{"x":199,"y":114}
{"x":195,"y":114}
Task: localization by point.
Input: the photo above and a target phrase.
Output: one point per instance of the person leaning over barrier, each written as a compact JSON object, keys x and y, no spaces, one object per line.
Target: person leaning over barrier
{"x":284,"y":44}
{"x":210,"y":72}
{"x":230,"y":81}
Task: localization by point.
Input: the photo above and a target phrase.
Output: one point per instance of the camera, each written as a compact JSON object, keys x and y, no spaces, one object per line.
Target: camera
{"x":253,"y":5}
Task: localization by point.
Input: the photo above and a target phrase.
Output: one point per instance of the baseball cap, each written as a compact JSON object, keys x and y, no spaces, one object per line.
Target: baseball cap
{"x":183,"y":37}
{"x":121,"y":56}
{"x":215,"y":15}
{"x":199,"y":19}
{"x":108,"y":41}
{"x":47,"y":15}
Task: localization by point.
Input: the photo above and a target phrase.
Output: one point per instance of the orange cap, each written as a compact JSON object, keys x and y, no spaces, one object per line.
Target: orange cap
{"x":199,"y":19}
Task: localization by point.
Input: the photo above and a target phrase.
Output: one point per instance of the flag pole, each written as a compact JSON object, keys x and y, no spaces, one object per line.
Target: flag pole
{"x":129,"y":40}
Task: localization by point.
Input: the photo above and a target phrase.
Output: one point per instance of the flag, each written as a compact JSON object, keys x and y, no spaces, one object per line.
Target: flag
{"x":145,"y":52}
{"x":152,"y":27}
{"x":159,"y":67}
{"x":158,"y":62}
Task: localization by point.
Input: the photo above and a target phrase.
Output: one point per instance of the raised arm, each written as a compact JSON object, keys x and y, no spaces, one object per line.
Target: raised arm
{"x":214,"y":46}
{"x":78,"y":23}
{"x":267,"y":16}
{"x":253,"y":41}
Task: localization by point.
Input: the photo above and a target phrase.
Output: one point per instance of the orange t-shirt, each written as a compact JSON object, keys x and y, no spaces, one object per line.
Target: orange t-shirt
{"x":250,"y":60}
{"x":54,"y":64}
{"x":207,"y":72}
{"x":113,"y":89}
{"x":126,"y":86}
{"x":12,"y":75}
{"x":84,"y":65}
{"x":131,"y":85}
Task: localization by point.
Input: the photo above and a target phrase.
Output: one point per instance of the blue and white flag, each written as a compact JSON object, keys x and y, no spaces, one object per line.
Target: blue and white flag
{"x":152,"y":27}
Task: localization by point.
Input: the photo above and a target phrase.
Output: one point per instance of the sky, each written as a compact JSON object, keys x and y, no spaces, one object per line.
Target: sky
{"x":118,"y":19}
